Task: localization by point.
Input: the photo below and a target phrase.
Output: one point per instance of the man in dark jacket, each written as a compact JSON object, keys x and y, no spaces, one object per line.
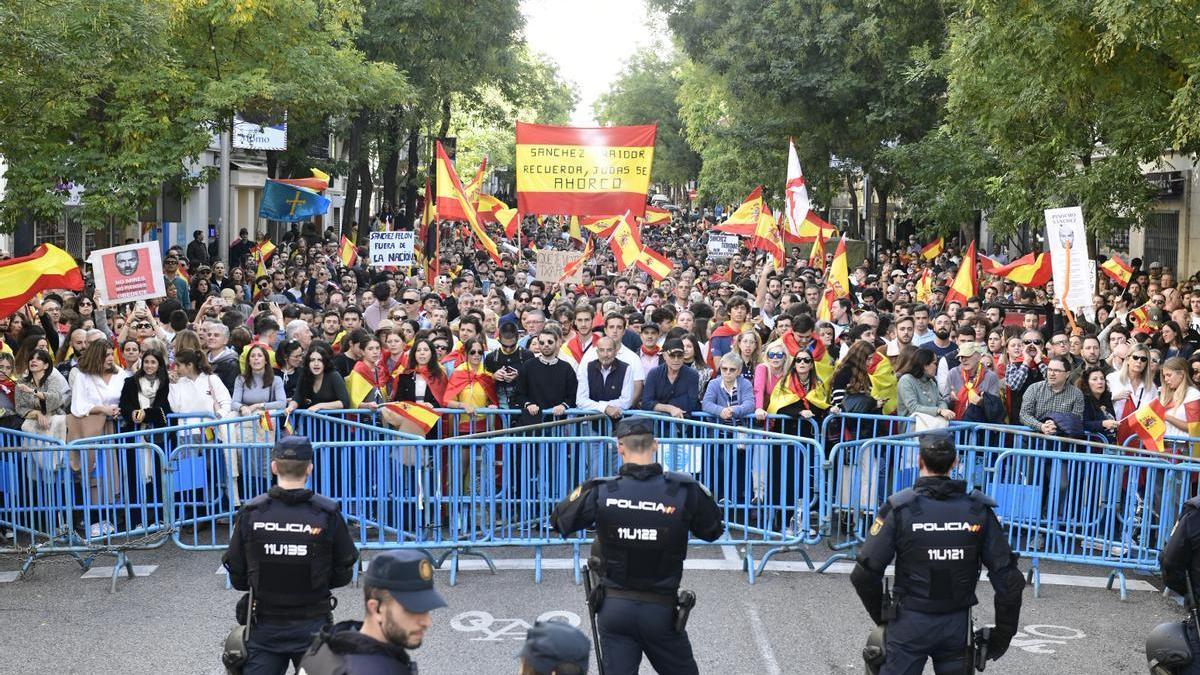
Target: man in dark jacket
{"x":399,"y":596}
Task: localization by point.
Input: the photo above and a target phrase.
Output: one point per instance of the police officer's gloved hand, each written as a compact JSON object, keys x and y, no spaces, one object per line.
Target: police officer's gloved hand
{"x":998,"y":642}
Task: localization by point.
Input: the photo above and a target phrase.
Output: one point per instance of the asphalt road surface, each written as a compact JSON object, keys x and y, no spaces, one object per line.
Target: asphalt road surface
{"x":174,"y":618}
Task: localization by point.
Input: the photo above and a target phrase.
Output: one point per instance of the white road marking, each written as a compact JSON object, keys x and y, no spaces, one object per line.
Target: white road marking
{"x":759,"y":631}
{"x":105,"y":572}
{"x":9,"y":577}
{"x":712,"y":564}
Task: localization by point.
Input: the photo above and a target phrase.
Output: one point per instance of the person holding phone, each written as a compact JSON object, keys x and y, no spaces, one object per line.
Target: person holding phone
{"x":505,"y":362}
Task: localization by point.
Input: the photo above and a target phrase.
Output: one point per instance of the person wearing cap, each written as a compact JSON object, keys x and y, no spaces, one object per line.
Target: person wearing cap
{"x":671,"y":388}
{"x":398,"y":596}
{"x":974,"y":390}
{"x":289,"y":548}
{"x":642,"y":517}
{"x":939,"y":536}
{"x":554,"y":648}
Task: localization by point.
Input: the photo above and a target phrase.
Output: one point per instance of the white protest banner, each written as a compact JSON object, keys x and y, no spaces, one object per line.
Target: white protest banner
{"x":128,"y":273}
{"x":550,"y":265}
{"x":392,"y":249}
{"x":722,"y":246}
{"x":1066,"y":240}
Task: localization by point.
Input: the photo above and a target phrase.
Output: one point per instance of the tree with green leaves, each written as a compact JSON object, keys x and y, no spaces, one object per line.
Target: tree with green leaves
{"x":647,"y":92}
{"x":121,"y":95}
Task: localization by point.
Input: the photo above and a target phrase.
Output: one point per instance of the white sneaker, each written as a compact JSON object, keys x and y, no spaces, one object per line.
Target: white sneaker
{"x":95,"y":532}
{"x":101,"y":529}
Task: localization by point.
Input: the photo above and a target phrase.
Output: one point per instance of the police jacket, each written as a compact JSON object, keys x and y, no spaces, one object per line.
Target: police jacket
{"x":642,"y":518}
{"x":939,"y":536}
{"x":292,"y":547}
{"x":342,"y":650}
{"x":1178,"y":558}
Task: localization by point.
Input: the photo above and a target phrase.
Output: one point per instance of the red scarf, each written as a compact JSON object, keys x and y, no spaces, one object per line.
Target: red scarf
{"x":962,"y":398}
{"x":437,"y":385}
{"x":464,"y":376}
{"x":651,"y":351}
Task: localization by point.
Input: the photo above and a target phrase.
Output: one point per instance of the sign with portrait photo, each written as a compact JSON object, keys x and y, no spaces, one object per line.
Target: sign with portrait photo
{"x":128,"y":273}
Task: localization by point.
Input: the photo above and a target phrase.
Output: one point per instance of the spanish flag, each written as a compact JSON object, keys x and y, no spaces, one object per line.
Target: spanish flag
{"x":822,"y":361}
{"x":347,"y":252}
{"x":573,"y":229}
{"x":48,"y":267}
{"x":429,"y":235}
{"x":1032,"y":269}
{"x":261,"y":272}
{"x":365,"y":386}
{"x":265,"y":421}
{"x":183,"y":273}
{"x":812,"y":227}
{"x":657,"y":216}
{"x":572,"y":350}
{"x":626,"y":243}
{"x":601,"y":226}
{"x":745,"y":219}
{"x":450,"y":191}
{"x":825,"y":304}
{"x":452,"y":210}
{"x":1117,"y":270}
{"x":264,"y":249}
{"x":1147,"y":423}
{"x":318,"y":183}
{"x":884,"y":386}
{"x":464,"y":378}
{"x":816,"y":255}
{"x":925,"y":286}
{"x":416,"y":418}
{"x":510,"y":220}
{"x":1140,"y":316}
{"x":767,"y":238}
{"x":934,"y":248}
{"x":789,"y":391}
{"x":966,"y":282}
{"x":575,"y":265}
{"x":839,"y":272}
{"x":487,"y":206}
{"x":654,"y":263}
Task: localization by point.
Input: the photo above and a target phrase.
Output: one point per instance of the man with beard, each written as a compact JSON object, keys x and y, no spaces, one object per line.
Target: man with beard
{"x":399,"y":596}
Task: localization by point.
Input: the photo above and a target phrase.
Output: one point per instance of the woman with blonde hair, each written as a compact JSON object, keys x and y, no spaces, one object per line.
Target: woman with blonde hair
{"x":1131,"y":385}
{"x":1180,"y":399}
{"x":767,"y":374}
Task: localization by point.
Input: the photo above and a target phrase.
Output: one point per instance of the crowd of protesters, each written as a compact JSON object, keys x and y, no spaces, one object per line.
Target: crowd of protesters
{"x":732,"y":340}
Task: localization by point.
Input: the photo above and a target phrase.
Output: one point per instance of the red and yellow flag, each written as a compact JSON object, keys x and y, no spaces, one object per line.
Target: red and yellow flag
{"x":657,"y":216}
{"x":575,"y":265}
{"x":626,"y":243}
{"x":581,"y":171}
{"x":884,"y":385}
{"x":487,"y":206}
{"x":573,"y":229}
{"x":966,"y":282}
{"x":925,"y":286}
{"x":744,"y":220}
{"x":1118,"y":270}
{"x":816,"y":255}
{"x":839,"y":272}
{"x":265,"y":421}
{"x":347,"y":252}
{"x":419,"y":416}
{"x":654,"y":263}
{"x":264,"y":249}
{"x":789,"y":391}
{"x":1140,"y":316}
{"x":1032,"y":269}
{"x":318,"y":183}
{"x":450,"y":191}
{"x":451,"y":210}
{"x":601,"y":226}
{"x":812,"y":227}
{"x":1147,"y":423}
{"x":934,"y":248}
{"x":767,"y":238}
{"x":48,"y":267}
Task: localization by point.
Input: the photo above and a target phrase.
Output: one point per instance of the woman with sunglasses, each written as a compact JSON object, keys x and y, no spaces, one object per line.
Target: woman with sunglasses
{"x":767,"y":375}
{"x":801,"y":393}
{"x":1131,"y":385}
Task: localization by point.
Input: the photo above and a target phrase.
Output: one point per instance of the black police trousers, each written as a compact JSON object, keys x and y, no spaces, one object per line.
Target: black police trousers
{"x":1193,"y":641}
{"x":915,"y":636}
{"x":274,"y":645}
{"x":629,"y":628}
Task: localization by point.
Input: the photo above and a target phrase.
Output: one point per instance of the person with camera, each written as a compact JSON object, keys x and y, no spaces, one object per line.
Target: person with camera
{"x":940,"y":537}
{"x":290,"y":547}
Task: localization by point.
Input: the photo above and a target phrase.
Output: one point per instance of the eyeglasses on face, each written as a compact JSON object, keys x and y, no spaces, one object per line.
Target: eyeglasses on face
{"x":1032,"y":342}
{"x":775,"y":355}
{"x":475,"y":352}
{"x":729,"y":369}
{"x":803,"y":359}
{"x":411,"y":301}
{"x":441,"y":347}
{"x":1142,"y":359}
{"x":546,"y":343}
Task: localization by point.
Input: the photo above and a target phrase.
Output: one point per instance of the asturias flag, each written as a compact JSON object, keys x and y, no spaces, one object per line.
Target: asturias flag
{"x":290,"y":203}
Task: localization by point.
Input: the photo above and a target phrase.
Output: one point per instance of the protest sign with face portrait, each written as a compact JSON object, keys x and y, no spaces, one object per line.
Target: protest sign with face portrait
{"x":128,"y":273}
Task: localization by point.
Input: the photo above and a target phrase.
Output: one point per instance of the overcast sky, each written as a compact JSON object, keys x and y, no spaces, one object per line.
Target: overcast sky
{"x":590,"y":40}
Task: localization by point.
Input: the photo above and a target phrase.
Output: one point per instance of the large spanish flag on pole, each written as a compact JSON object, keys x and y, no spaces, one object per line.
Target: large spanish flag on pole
{"x":579,"y":171}
{"x":451,"y":210}
{"x":450,"y":191}
{"x":1032,"y":269}
{"x":47,"y":268}
{"x":626,"y":243}
{"x":966,"y":282}
{"x":745,"y":219}
{"x":767,"y":238}
{"x":654,"y":263}
{"x":839,"y":272}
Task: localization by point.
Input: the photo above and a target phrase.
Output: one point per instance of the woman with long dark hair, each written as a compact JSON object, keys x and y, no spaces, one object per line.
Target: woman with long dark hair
{"x":1099,"y":415}
{"x":320,"y":387}
{"x":145,"y":406}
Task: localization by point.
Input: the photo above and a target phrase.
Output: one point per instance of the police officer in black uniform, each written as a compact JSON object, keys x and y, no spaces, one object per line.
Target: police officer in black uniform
{"x":1175,"y":647}
{"x":398,"y":595}
{"x":289,"y":548}
{"x":642,"y":518}
{"x":939,"y":536}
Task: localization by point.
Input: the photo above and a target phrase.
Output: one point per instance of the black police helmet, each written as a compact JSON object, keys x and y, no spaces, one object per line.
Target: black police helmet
{"x":1167,"y":645}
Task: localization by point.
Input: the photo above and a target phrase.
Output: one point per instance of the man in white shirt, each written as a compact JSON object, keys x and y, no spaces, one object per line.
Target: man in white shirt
{"x":605,"y":384}
{"x":614,"y":328}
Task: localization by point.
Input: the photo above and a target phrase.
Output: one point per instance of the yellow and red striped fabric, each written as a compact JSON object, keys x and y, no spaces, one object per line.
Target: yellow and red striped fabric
{"x":654,"y":263}
{"x":1032,"y":269}
{"x":1118,"y":270}
{"x":48,"y":267}
{"x":966,"y":282}
{"x":934,"y":248}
